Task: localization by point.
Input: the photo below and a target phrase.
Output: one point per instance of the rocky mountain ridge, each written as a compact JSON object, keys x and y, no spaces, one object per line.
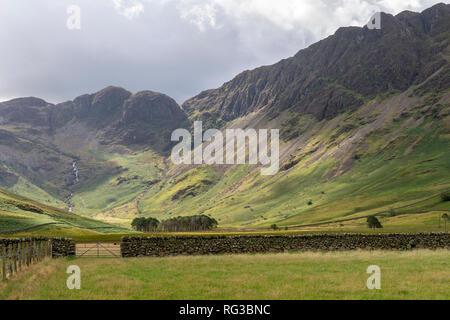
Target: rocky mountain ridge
{"x":339,"y":73}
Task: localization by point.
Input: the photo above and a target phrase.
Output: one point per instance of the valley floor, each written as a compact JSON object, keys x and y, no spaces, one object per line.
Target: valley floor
{"x":420,"y":274}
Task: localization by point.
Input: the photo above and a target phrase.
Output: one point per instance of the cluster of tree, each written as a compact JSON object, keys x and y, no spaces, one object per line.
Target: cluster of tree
{"x":373,"y":222}
{"x":145,"y":224}
{"x":178,"y":224}
{"x":191,"y":223}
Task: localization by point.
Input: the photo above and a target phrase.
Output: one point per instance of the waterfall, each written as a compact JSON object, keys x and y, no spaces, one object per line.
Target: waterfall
{"x":75,"y":171}
{"x":69,"y":199}
{"x":76,"y":180}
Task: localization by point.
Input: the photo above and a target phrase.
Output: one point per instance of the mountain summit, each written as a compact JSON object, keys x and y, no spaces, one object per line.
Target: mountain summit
{"x":339,"y":73}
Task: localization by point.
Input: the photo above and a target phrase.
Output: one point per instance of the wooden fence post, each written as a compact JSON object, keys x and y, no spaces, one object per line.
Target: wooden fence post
{"x":15,"y":256}
{"x":22,"y":256}
{"x":25,"y":251}
{"x":9,"y":257}
{"x":28,"y":253}
{"x":33,"y":251}
{"x":19,"y":252}
{"x":3,"y":262}
{"x":36,"y":251}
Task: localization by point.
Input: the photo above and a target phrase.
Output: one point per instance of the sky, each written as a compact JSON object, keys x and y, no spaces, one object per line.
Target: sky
{"x":60,"y":49}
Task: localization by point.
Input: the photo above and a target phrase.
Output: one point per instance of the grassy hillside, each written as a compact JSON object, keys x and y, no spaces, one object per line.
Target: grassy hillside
{"x":391,"y":152}
{"x":347,"y":168}
{"x":20,"y":216}
{"x":140,"y":171}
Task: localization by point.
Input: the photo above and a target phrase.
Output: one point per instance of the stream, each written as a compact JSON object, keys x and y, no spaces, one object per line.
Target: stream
{"x":76,"y":180}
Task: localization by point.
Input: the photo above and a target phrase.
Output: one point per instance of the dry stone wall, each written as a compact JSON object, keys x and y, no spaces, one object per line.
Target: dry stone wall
{"x":204,"y":245}
{"x":62,"y":247}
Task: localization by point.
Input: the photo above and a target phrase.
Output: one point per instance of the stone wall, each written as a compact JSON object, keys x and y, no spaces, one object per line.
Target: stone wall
{"x":62,"y":247}
{"x":203,"y":245}
{"x":11,"y":241}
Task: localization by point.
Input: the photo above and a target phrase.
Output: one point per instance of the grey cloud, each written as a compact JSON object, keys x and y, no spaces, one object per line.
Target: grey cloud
{"x":176,"y":47}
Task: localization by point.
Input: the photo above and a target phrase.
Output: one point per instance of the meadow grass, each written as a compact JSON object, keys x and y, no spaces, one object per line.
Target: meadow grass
{"x":420,"y":274}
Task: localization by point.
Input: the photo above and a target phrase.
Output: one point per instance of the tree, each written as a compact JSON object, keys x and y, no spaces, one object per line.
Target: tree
{"x":445,"y":196}
{"x":145,"y":224}
{"x":138,"y":223}
{"x":274,"y":227}
{"x":151,"y":224}
{"x":190,"y":223}
{"x":372,"y":222}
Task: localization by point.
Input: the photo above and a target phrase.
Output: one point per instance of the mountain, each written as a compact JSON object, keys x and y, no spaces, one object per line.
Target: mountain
{"x":101,"y":136}
{"x":339,"y":73}
{"x":363,"y":115}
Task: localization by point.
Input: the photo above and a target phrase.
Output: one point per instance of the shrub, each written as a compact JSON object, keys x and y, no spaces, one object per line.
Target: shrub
{"x":310,"y":203}
{"x":372,"y":222}
{"x":274,"y":227}
{"x":445,"y":196}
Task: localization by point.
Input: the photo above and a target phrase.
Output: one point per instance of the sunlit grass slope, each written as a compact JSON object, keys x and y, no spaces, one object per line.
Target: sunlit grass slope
{"x":29,"y":217}
{"x":384,"y":175}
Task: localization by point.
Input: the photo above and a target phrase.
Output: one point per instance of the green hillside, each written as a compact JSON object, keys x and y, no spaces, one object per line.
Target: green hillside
{"x":22,"y":216}
{"x":403,"y":159}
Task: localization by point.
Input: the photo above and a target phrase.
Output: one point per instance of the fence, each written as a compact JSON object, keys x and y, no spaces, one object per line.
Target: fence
{"x":104,"y":250}
{"x":16,"y":254}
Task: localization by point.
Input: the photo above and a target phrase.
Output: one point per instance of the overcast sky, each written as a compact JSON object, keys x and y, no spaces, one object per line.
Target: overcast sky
{"x":176,"y":47}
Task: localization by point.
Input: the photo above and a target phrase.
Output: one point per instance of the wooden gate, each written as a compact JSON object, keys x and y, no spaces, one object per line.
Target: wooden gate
{"x":104,"y":250}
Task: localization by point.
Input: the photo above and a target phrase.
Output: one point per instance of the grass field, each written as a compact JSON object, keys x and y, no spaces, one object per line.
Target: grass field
{"x":421,"y":274}
{"x":402,"y":223}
